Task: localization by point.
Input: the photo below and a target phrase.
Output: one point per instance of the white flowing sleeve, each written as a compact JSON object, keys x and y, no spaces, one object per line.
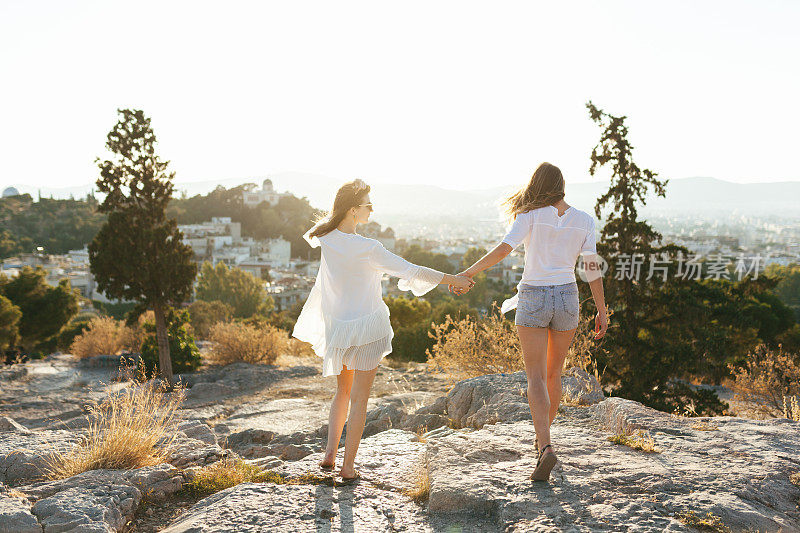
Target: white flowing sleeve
{"x":415,"y":278}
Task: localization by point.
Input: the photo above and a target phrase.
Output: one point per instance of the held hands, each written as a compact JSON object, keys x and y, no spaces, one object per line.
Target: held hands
{"x":463,"y":285}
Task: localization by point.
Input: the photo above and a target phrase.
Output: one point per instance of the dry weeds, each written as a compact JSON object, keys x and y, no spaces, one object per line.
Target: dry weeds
{"x":129,"y":429}
{"x":235,"y":342}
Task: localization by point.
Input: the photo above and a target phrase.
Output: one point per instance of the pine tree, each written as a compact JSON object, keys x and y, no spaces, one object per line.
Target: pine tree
{"x":138,"y":254}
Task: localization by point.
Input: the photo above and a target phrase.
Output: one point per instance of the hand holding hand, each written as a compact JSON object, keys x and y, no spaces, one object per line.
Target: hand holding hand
{"x":464,"y":284}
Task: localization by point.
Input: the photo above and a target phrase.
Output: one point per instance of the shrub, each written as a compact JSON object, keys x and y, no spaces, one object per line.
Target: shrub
{"x":220,"y":476}
{"x":76,"y":325}
{"x":472,"y":347}
{"x":234,"y":342}
{"x":183,"y":351}
{"x":128,"y":429}
{"x":769,"y":381}
{"x":203,"y":315}
{"x":103,"y":336}
{"x":298,"y":348}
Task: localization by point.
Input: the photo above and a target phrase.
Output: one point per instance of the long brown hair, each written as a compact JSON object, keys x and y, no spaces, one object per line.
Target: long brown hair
{"x":348,"y":196}
{"x":545,"y":188}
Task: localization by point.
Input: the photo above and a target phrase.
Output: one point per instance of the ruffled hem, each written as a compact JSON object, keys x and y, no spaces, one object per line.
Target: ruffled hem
{"x":358,"y":331}
{"x":363,"y":357}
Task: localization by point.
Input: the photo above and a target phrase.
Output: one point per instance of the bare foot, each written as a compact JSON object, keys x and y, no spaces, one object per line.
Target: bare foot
{"x":328,"y":461}
{"x":348,"y":472}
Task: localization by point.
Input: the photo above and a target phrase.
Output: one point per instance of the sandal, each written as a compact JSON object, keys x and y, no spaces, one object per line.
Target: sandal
{"x":536,"y":445}
{"x":547,"y":460}
{"x":327,"y":467}
{"x":350,"y":480}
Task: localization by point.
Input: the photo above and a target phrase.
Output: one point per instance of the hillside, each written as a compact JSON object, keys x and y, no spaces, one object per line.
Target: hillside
{"x":465,"y":454}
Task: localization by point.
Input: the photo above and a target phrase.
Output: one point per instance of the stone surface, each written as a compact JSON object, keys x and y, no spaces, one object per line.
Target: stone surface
{"x":739,"y":472}
{"x":95,"y":510}
{"x":16,"y":516}
{"x":9,"y":424}
{"x":23,"y":456}
{"x":197,"y":429}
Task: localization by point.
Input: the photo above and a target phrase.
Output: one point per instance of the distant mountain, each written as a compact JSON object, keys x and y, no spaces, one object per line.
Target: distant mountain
{"x":702,"y":197}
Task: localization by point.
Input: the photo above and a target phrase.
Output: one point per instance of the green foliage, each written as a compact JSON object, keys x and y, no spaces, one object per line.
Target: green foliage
{"x":204,"y":314}
{"x":77,"y":325}
{"x":118,"y":310}
{"x":44,"y":309}
{"x":182,"y":348}
{"x":788,"y":288}
{"x":406,"y":312}
{"x":662,"y":330}
{"x":418,"y":256}
{"x":56,"y":225}
{"x":9,"y":322}
{"x":289,"y":219}
{"x":411,"y":321}
{"x":138,"y":255}
{"x":235,"y":287}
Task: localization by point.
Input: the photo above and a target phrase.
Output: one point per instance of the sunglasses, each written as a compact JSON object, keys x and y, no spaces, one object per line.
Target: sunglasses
{"x":368,"y":206}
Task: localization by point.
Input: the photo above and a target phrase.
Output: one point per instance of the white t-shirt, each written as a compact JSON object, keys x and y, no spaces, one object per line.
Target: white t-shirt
{"x":344,"y":317}
{"x":552,"y":245}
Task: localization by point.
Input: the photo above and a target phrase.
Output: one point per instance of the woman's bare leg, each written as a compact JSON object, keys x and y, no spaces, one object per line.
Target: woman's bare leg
{"x":557,"y":348}
{"x":359,"y":394}
{"x":534,"y":354}
{"x":341,"y":399}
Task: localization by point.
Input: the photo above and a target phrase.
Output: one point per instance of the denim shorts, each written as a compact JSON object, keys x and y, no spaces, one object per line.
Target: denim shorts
{"x":548,"y":306}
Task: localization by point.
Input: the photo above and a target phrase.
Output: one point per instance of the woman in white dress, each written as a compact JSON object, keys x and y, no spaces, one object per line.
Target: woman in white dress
{"x":345,"y":319}
{"x":555,"y":234}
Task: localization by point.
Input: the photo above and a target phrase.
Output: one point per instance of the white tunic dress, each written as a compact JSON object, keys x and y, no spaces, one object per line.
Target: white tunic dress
{"x":344,"y":317}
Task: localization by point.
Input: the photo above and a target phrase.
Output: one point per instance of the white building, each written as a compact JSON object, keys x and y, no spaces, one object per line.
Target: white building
{"x":266,"y":194}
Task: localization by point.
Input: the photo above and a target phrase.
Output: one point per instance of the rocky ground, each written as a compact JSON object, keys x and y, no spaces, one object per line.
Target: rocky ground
{"x":436,"y":457}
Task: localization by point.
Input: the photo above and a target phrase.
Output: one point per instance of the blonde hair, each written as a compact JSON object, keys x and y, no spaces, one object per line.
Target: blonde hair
{"x":545,"y":188}
{"x":348,"y":196}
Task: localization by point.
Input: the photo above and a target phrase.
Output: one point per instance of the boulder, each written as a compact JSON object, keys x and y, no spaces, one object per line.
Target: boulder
{"x":197,"y":429}
{"x":206,"y":392}
{"x":381,"y":418}
{"x":488,"y":400}
{"x":580,"y":387}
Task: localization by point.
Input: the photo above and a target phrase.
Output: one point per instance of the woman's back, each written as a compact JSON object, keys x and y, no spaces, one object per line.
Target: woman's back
{"x":350,"y":283}
{"x":552,"y":243}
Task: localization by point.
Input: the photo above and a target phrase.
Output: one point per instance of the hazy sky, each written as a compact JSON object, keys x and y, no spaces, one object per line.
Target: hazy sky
{"x":461,"y":94}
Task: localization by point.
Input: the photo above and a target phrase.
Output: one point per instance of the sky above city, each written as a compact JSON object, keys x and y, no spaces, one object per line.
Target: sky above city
{"x":465,"y":95}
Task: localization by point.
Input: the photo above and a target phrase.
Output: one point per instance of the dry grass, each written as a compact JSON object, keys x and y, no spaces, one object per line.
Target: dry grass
{"x":220,"y":476}
{"x":105,"y":336}
{"x":231,"y":472}
{"x":420,"y":489}
{"x":129,"y":429}
{"x":474,"y":347}
{"x":702,"y":425}
{"x":583,"y":348}
{"x":298,"y":348}
{"x":641,"y":440}
{"x":468,"y":347}
{"x":709,"y":522}
{"x":234,"y":342}
{"x":770,"y":382}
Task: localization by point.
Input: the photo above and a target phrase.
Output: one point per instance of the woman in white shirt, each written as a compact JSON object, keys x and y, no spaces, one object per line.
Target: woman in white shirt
{"x":345,"y":318}
{"x":555,"y":234}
